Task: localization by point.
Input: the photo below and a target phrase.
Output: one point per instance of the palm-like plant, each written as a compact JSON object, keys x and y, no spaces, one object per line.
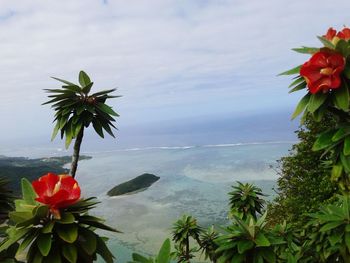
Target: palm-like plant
{"x":207,"y":243}
{"x":6,"y":200}
{"x":182,"y":230}
{"x":248,"y":241}
{"x":245,"y":200}
{"x":76,"y":109}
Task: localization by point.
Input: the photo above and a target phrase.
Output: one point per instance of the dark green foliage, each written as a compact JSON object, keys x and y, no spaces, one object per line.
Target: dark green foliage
{"x":164,"y":255}
{"x":70,"y":238}
{"x":76,"y":108}
{"x":305,"y":181}
{"x":207,"y":243}
{"x":182,"y":230}
{"x":245,"y":200}
{"x":6,"y":200}
{"x":140,"y":182}
{"x":328,"y":233}
{"x":15,"y":168}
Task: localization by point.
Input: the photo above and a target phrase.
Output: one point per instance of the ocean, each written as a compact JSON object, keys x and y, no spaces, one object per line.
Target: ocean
{"x":194,"y":180}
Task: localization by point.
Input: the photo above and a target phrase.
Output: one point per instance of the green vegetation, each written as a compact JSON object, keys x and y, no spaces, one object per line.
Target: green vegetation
{"x":245,"y":201}
{"x":304,"y":181}
{"x":68,"y":238}
{"x":162,"y":257}
{"x":15,"y":168}
{"x":141,"y":182}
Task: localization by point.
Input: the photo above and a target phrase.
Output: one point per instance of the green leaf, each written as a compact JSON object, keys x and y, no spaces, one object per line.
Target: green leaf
{"x":323,"y":141}
{"x":343,"y":47}
{"x":48,"y":227}
{"x":27,"y":240}
{"x":326,"y":43}
{"x":41,"y":211}
{"x":346,"y":148}
{"x":268,"y":255}
{"x":55,"y":130}
{"x":87,"y":241}
{"x":306,"y":50}
{"x":70,"y":252}
{"x":68,"y":233}
{"x":330,"y":226}
{"x":301,"y":106}
{"x":341,"y":97}
{"x":104,"y":251}
{"x":316,"y":100}
{"x":87,"y":88}
{"x":64,"y":81}
{"x":107,"y":109}
{"x":297,"y":81}
{"x":261,"y":240}
{"x":28,"y":192}
{"x":66,"y":218}
{"x":298,"y":87}
{"x":292,"y":71}
{"x":84,"y":79}
{"x":345,"y":160}
{"x":44,"y":244}
{"x":337,"y":171}
{"x":244,"y":245}
{"x":340,"y":134}
{"x":347,"y":240}
{"x":141,"y":259}
{"x":98,"y":127}
{"x":164,"y":252}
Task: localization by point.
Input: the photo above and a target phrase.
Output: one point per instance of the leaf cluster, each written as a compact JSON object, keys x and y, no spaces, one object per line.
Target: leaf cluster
{"x":245,"y":200}
{"x":76,"y":108}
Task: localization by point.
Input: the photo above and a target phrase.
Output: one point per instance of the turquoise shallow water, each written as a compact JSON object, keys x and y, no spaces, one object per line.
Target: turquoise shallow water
{"x":194,"y":180}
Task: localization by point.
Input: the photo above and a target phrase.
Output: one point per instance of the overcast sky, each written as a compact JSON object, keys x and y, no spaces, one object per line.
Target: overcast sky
{"x":169,"y":59}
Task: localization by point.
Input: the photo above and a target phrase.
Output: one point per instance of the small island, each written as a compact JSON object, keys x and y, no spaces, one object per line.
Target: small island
{"x":137,"y":184}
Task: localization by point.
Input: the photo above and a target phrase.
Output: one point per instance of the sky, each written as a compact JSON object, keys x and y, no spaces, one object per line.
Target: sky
{"x":171,"y":60}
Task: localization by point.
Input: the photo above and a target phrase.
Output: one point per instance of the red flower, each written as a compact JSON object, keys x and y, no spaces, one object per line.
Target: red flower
{"x":331,"y":33}
{"x":322,"y":71}
{"x":334,"y":37}
{"x":56,"y":191}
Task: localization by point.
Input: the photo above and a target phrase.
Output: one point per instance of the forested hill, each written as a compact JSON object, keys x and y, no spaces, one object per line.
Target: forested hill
{"x":15,"y":168}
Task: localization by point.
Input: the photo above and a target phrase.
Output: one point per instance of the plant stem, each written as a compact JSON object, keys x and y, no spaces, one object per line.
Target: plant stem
{"x":76,"y":152}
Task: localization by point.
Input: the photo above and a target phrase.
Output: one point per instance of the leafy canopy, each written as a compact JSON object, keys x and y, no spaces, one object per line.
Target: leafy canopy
{"x":76,"y":108}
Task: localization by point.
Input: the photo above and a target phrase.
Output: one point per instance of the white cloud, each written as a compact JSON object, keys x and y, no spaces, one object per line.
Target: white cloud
{"x":166,"y":55}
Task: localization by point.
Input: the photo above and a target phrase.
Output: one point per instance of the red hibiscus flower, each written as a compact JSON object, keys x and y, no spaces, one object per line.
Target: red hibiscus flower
{"x":56,"y":191}
{"x":322,"y":71}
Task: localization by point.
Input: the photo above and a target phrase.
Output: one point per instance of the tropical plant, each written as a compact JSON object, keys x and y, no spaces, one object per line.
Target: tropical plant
{"x":53,"y":232}
{"x":248,"y":241}
{"x":245,"y":200}
{"x":76,"y":109}
{"x":207,"y":243}
{"x":329,"y":232}
{"x":6,"y":200}
{"x":326,"y":75}
{"x":164,"y":255}
{"x":182,"y":231}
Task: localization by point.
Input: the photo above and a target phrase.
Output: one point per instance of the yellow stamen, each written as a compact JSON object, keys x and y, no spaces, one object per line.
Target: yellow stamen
{"x":326,"y":71}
